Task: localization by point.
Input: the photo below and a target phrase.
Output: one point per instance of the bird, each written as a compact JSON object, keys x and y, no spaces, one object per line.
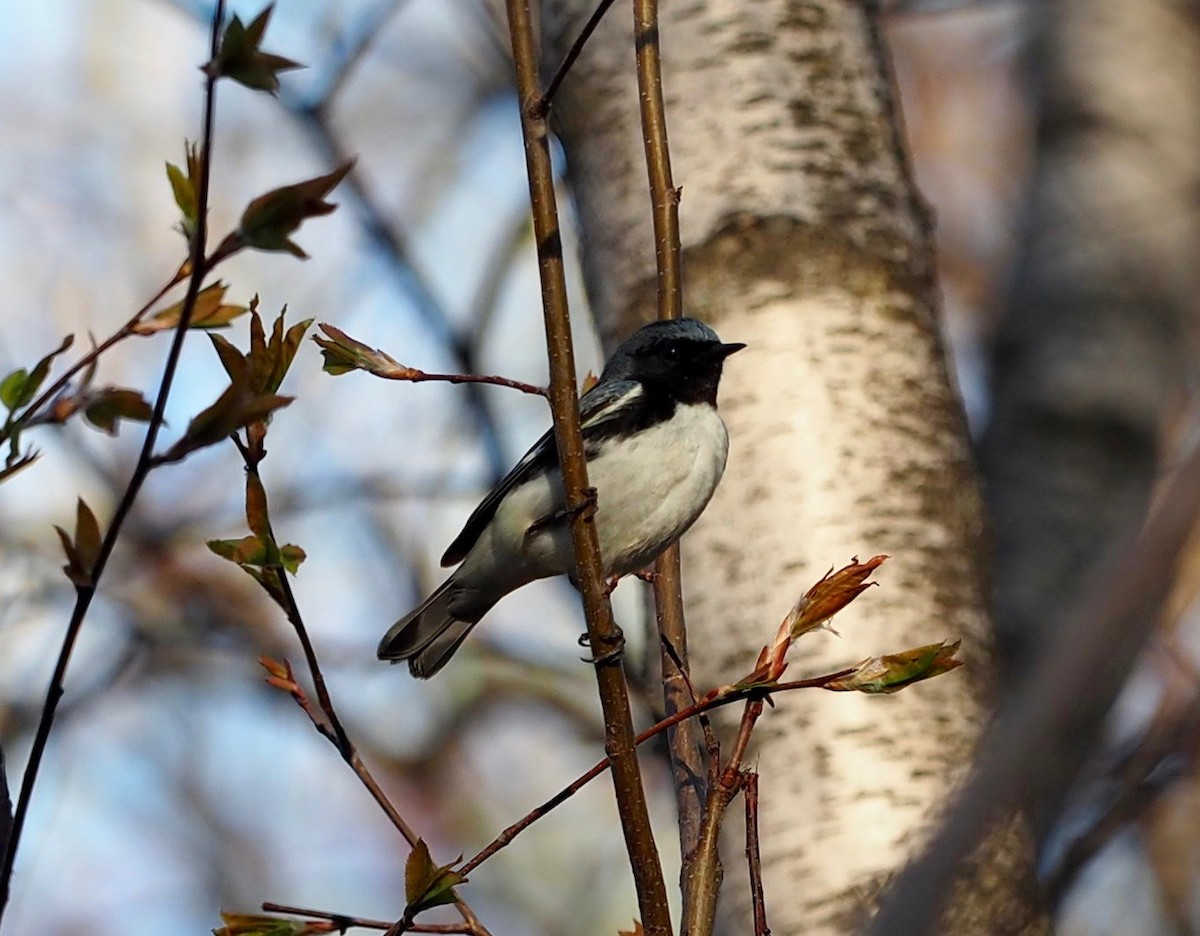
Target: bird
{"x":655,"y":448}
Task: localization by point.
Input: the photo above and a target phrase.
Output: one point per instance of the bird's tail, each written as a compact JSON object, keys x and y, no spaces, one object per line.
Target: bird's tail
{"x":428,"y":636}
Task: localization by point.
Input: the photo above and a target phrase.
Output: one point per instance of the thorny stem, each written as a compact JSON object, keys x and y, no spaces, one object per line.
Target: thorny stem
{"x":691,"y":711}
{"x":85,"y":593}
{"x":604,"y":636}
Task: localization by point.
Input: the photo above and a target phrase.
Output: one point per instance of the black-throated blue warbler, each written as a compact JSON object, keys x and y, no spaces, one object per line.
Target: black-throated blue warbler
{"x":655,"y":448}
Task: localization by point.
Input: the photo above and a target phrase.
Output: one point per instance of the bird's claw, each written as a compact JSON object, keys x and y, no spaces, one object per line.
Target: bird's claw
{"x":615,"y":653}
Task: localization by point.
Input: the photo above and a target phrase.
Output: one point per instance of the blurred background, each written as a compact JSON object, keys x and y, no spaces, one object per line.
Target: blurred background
{"x":1056,"y":142}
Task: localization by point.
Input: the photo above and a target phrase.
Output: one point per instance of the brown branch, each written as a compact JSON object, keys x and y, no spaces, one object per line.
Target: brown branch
{"x":753,"y":853}
{"x":664,"y":197}
{"x":696,"y":709}
{"x":604,"y":636}
{"x":702,"y":871}
{"x":692,"y":775}
{"x":1035,"y":746}
{"x":542,"y":107}
{"x":412,"y":375}
{"x":86,"y":592}
{"x":688,"y":766}
{"x":252,"y":455}
{"x":31,"y":412}
{"x":344,"y":921}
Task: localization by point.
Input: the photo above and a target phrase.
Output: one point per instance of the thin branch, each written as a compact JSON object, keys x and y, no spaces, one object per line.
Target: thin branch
{"x":418,"y":376}
{"x":31,"y":412}
{"x":688,"y":766}
{"x":753,"y":853}
{"x":85,"y":593}
{"x":542,"y":107}
{"x":664,"y":197}
{"x":702,"y":868}
{"x":604,"y":636}
{"x":697,"y":709}
{"x":685,"y":741}
{"x":344,"y":921}
{"x":252,"y":455}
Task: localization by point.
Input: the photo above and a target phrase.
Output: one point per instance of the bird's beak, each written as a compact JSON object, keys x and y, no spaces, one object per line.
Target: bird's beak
{"x":725,"y":350}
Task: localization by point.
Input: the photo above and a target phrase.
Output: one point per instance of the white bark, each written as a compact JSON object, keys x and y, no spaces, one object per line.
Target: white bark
{"x":803,"y":237}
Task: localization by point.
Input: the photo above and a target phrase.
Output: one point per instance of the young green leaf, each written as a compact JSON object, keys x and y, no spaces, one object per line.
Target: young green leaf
{"x":344,"y":354}
{"x":251,"y":924}
{"x":426,"y":884}
{"x":209,"y":311}
{"x":18,"y":388}
{"x":185,"y":185}
{"x":84,"y":548}
{"x":282,"y":349}
{"x":236,"y":408}
{"x":268,"y":221}
{"x":240,"y":58}
{"x":896,"y":671}
{"x":232,"y":359}
{"x":256,"y":507}
{"x":103,"y":408}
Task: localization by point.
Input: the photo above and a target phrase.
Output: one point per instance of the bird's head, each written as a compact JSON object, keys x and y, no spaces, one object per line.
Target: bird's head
{"x":681,"y":357}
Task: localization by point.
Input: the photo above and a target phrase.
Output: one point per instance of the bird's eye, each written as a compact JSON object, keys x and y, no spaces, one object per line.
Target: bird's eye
{"x":671,"y":352}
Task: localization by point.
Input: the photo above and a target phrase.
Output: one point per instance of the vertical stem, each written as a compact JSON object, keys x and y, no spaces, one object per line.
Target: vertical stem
{"x":702,"y":868}
{"x":753,"y":854}
{"x":605,"y":637}
{"x":684,"y":740}
{"x":85,"y":593}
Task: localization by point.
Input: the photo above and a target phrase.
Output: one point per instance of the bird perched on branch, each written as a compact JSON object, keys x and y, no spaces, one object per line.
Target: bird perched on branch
{"x":655,"y":448}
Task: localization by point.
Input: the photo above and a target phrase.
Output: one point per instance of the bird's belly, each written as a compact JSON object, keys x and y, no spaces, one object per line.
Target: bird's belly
{"x":652,"y":486}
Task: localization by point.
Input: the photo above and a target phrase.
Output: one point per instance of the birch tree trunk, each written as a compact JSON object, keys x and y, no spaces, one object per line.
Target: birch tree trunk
{"x":804,"y":236}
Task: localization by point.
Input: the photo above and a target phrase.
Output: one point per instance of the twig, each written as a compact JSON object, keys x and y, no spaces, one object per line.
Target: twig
{"x":753,"y":854}
{"x":691,"y":790}
{"x":1168,"y":750}
{"x":29,"y":414}
{"x":334,"y":732}
{"x":85,"y":593}
{"x":1035,"y":746}
{"x":344,"y":921}
{"x":696,"y":709}
{"x":691,"y":774}
{"x":702,"y":868}
{"x":419,"y":376}
{"x":542,"y":107}
{"x":664,"y":197}
{"x":604,"y":636}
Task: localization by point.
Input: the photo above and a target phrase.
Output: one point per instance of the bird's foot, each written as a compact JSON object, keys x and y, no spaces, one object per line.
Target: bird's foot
{"x":617,"y":651}
{"x":649,"y":576}
{"x":586,"y":508}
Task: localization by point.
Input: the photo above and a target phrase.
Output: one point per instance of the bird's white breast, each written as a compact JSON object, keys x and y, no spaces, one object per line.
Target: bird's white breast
{"x":650,"y":487}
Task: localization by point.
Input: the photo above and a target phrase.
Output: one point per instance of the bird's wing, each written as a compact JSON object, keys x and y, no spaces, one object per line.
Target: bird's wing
{"x":597,"y":408}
